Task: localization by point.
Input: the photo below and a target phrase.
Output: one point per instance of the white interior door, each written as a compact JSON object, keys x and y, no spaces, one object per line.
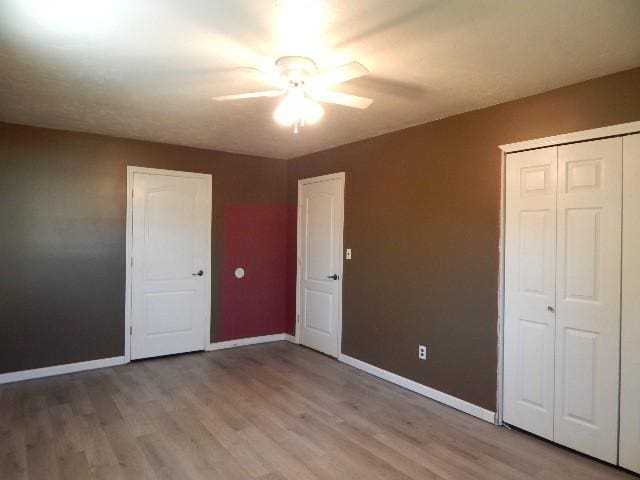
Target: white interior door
{"x":529,"y":321}
{"x":170,"y":289}
{"x":630,"y":373}
{"x":588,"y":298}
{"x":320,"y":264}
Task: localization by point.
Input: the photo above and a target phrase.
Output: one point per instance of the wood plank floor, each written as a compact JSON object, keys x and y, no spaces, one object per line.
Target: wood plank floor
{"x":272,"y":412}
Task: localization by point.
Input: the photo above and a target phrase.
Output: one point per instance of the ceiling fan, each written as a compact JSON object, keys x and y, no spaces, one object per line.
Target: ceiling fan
{"x":305,"y":87}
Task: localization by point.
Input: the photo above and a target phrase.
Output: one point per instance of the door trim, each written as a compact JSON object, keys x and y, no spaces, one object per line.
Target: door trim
{"x":620,"y":130}
{"x":306,"y":181}
{"x":131,"y":171}
{"x":573,"y":137}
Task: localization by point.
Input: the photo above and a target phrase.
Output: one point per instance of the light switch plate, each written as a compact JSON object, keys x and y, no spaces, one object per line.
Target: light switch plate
{"x":347,"y":254}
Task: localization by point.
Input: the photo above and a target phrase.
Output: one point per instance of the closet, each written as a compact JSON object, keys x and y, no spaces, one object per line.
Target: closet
{"x":572,"y":296}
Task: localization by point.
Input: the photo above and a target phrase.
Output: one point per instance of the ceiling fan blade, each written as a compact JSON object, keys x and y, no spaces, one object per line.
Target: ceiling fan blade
{"x":242,"y":96}
{"x":343,"y":99}
{"x":340,"y":74}
{"x":270,"y":77}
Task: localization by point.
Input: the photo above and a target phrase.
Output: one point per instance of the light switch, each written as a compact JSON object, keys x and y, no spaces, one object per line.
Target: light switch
{"x":347,"y":254}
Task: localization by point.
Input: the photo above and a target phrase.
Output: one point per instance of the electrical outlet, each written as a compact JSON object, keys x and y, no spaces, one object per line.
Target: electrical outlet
{"x":347,"y":254}
{"x":422,"y":352}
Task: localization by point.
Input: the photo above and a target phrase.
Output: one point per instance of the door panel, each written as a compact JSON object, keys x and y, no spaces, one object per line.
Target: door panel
{"x":319,"y":215}
{"x":170,"y":233}
{"x":581,"y":351}
{"x":531,"y":363}
{"x":532,"y":232}
{"x":168,"y":312}
{"x":530,"y":290}
{"x":321,"y":210}
{"x":168,"y":229}
{"x":582,"y":227}
{"x":318,"y":308}
{"x":630,"y":374}
{"x":588,"y":305}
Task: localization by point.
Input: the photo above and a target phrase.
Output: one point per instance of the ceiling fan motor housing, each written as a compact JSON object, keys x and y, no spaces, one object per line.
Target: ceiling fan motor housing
{"x":296,"y":71}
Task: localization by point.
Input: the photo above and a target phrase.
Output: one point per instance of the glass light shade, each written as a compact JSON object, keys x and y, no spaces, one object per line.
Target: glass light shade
{"x":312,"y":112}
{"x":290,"y":108}
{"x":283,"y":115}
{"x":296,"y":108}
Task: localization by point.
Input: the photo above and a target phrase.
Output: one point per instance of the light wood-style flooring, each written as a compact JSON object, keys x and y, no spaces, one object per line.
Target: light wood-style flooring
{"x":273,"y":411}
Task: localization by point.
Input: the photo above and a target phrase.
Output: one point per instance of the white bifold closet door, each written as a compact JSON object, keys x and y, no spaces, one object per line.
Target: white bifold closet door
{"x":530,"y":289}
{"x":562,"y":294}
{"x":630,"y":374}
{"x":589,"y":250}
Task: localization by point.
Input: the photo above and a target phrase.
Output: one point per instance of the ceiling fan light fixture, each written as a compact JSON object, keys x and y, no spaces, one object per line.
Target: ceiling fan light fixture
{"x":297,"y":109}
{"x":305,"y":88}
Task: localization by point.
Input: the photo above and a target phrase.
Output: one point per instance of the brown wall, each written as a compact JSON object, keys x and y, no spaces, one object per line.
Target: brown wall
{"x":62,"y":237}
{"x":421,"y":215}
{"x":422,"y":218}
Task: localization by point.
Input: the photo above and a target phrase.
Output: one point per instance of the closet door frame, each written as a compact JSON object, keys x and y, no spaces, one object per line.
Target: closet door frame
{"x":557,"y":140}
{"x":630,"y":354}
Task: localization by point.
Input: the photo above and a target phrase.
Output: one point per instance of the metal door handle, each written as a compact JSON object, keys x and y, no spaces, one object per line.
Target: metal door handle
{"x":199,"y":274}
{"x":334,"y":276}
{"x":551,"y":309}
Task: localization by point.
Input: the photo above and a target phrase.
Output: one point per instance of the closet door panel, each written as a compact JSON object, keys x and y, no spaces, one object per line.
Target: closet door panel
{"x":587,"y":345}
{"x":530,"y":237}
{"x":630,"y":368}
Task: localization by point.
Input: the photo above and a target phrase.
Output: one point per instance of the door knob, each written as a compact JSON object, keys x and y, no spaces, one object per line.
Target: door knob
{"x":334,"y":276}
{"x":551,"y":309}
{"x":199,"y":274}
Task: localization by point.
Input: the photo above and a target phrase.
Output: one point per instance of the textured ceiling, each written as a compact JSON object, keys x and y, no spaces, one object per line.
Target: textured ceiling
{"x":147,"y":69}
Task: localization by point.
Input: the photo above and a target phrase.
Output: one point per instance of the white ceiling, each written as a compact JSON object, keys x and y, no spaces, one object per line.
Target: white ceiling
{"x":147,"y":69}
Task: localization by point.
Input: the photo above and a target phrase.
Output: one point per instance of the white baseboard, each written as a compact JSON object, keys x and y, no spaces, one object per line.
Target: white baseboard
{"x":437,"y":395}
{"x":113,"y":361}
{"x":290,"y":338}
{"x":60,"y":369}
{"x":241,"y":342}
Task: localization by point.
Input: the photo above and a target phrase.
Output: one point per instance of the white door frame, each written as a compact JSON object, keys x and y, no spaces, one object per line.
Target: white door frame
{"x":556,"y":140}
{"x":307,"y":181}
{"x":131,"y":170}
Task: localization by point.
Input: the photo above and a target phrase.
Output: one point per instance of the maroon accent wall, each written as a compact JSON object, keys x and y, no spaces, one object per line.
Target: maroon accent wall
{"x":255,"y":238}
{"x":292,"y":258}
{"x":62,"y":239}
{"x":422,"y":218}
